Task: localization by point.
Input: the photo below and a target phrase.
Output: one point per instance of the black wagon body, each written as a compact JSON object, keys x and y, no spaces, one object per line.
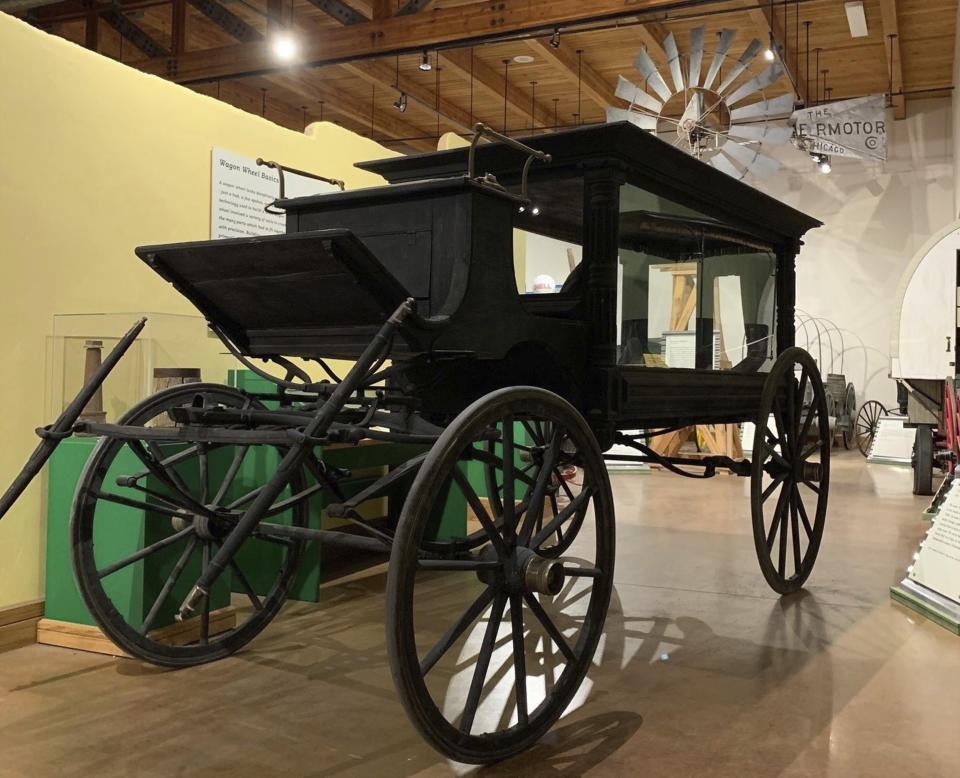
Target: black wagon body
{"x":672,"y":305}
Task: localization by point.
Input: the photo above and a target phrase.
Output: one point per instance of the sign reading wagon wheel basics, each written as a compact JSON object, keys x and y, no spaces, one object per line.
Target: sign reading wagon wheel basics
{"x":854,"y":128}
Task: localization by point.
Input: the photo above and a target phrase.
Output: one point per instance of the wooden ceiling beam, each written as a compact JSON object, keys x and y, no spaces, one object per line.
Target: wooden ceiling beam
{"x":652,"y":35}
{"x":575,"y":71}
{"x":464,"y":24}
{"x":888,"y":16}
{"x":412,"y":7}
{"x":342,"y":12}
{"x":227,"y":20}
{"x":489,"y":82}
{"x":763,"y":24}
{"x":134,"y":34}
{"x":347,"y":104}
{"x":382,"y":74}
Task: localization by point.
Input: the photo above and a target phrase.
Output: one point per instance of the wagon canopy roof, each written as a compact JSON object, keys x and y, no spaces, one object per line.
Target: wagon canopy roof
{"x":648,"y":161}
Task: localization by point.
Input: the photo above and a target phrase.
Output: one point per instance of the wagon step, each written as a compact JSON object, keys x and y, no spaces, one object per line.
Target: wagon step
{"x":52,"y":434}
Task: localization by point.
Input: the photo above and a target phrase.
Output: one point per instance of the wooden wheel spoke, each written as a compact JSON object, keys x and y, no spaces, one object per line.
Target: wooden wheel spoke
{"x":563,"y":484}
{"x":801,"y":391}
{"x":782,"y":430}
{"x":782,"y":557}
{"x":205,"y":613}
{"x":129,"y":502}
{"x":172,"y":474}
{"x":810,"y":450}
{"x":519,"y":659}
{"x":287,"y":503}
{"x":483,"y":663}
{"x":493,"y":460}
{"x":812,"y":486}
{"x":808,"y":422}
{"x":247,"y":588}
{"x":231,"y":474}
{"x":538,"y":497}
{"x":776,"y":457}
{"x":555,"y":635}
{"x":456,"y":630}
{"x":479,"y":510}
{"x":180,"y":494}
{"x":772,"y":487}
{"x":168,"y":585}
{"x":576,"y":506}
{"x":795,"y":532}
{"x":775,"y":523}
{"x":535,"y":434}
{"x":509,"y":485}
{"x":103,"y":572}
{"x":803,"y":512}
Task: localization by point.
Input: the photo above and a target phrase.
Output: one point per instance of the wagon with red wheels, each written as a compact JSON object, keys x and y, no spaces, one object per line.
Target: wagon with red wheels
{"x":677,"y":309}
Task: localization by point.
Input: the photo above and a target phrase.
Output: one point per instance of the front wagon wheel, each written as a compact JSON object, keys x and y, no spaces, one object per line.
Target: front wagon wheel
{"x":790,"y":476}
{"x":490,"y":640}
{"x":147,"y":518}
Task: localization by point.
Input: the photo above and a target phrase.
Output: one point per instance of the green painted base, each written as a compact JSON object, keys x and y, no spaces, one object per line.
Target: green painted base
{"x":928,"y":604}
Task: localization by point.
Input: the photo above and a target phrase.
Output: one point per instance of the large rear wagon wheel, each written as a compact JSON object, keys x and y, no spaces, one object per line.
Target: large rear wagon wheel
{"x":147,"y":518}
{"x":790,"y":476}
{"x":490,"y":641}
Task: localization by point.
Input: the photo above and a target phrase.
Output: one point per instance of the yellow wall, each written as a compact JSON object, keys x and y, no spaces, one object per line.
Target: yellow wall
{"x":97,"y":159}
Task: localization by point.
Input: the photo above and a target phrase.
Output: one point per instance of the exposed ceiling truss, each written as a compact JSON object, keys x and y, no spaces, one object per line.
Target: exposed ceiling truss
{"x":359,"y":59}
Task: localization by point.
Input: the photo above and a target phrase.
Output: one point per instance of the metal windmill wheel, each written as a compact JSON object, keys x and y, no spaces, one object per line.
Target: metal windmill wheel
{"x":713,"y":115}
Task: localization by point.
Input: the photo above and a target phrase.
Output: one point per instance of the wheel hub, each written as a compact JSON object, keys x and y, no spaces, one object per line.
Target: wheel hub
{"x":524,"y":570}
{"x":202,"y":525}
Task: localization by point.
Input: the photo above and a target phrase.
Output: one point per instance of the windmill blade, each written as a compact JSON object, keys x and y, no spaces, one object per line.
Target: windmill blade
{"x":750,"y":159}
{"x":696,"y":56}
{"x":765,"y":133}
{"x":645,"y":67}
{"x":723,"y":46}
{"x":636,"y":96}
{"x":643,"y":120}
{"x":694,"y":109}
{"x":763,"y":109}
{"x":755,"y":84}
{"x":749,"y":54}
{"x":673,"y":60}
{"x":724,"y":165}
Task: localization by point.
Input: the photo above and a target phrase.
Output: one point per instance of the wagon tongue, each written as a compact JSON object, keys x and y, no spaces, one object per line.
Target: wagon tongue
{"x":62,"y":428}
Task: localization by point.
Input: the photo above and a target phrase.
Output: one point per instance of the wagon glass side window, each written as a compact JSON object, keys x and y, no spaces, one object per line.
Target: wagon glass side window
{"x":691,"y":293}
{"x":548,"y":230}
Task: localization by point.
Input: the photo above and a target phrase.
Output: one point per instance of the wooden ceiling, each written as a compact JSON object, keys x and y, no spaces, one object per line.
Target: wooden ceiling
{"x":357,"y":56}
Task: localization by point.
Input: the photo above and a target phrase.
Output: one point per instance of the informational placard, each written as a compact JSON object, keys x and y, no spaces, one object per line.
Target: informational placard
{"x":240,"y":189}
{"x":893,"y":443}
{"x":937,"y":563}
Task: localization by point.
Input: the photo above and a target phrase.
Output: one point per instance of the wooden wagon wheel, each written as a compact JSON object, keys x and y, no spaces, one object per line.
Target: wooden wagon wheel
{"x":922,"y":460}
{"x":849,"y":411}
{"x":868,"y":420}
{"x":791,"y":465}
{"x":147,"y":518}
{"x":488,"y":646}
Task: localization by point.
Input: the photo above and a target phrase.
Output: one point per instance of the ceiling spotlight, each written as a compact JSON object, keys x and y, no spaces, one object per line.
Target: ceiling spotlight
{"x":535,"y":211}
{"x":425,"y":62}
{"x":285,"y":46}
{"x":768,"y":55}
{"x":401,"y":103}
{"x":555,"y":38}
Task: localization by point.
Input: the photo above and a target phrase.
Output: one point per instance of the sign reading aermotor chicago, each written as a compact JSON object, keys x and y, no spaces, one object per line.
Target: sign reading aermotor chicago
{"x":847,"y":128}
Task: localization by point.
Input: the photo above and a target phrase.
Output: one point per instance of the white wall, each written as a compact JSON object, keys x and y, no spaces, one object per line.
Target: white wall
{"x":876,"y":216}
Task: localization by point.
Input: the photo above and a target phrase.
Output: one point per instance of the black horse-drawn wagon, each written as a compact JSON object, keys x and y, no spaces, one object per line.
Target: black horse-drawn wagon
{"x":680,"y":313}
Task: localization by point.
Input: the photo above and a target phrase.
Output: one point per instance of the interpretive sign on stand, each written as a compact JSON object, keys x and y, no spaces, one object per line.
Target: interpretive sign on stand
{"x":932,"y":585}
{"x":893,"y":443}
{"x":240,"y":188}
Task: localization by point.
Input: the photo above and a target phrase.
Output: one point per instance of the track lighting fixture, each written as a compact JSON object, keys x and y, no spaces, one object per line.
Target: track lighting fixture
{"x":822,"y":161}
{"x":401,"y":103}
{"x":425,"y":61}
{"x":555,"y":38}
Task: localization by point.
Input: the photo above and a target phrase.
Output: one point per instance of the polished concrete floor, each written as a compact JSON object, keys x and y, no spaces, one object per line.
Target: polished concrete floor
{"x":703,"y":672}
